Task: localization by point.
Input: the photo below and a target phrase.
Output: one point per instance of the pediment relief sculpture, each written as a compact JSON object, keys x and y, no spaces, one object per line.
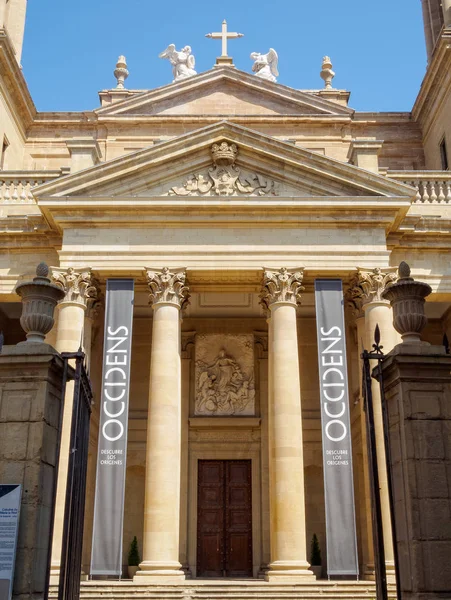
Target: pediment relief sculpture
{"x":224,"y":382}
{"x":224,"y":178}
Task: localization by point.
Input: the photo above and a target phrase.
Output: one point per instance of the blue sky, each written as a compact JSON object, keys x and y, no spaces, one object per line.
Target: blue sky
{"x":377,"y":47}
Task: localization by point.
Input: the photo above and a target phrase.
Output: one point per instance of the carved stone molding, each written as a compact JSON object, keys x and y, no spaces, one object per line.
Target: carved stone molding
{"x":368,"y":286}
{"x":284,"y":285}
{"x":354,"y":297}
{"x":79,"y":286}
{"x":224,"y":178}
{"x":261,"y":344}
{"x":168,"y":287}
{"x":188,"y":343}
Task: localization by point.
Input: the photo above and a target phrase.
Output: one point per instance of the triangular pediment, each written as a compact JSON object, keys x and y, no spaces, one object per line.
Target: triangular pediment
{"x":185,"y":167}
{"x":224,"y":91}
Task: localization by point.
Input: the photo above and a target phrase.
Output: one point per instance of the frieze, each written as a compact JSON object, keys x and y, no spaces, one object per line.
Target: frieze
{"x":224,"y":375}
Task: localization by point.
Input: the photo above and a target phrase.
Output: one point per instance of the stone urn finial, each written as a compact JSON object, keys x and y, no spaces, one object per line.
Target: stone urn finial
{"x":326,"y":72}
{"x":121,"y":72}
{"x":407,"y":298}
{"x":39,"y":298}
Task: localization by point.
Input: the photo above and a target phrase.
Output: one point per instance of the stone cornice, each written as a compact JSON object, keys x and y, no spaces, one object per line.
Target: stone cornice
{"x":268,"y":148}
{"x":433,"y":87}
{"x":315,"y":103}
{"x":15,"y":82}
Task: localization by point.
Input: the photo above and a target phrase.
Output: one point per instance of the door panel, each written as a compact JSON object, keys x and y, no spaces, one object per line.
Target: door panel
{"x":238,"y":519}
{"x":210,"y":522}
{"x":224,"y":530}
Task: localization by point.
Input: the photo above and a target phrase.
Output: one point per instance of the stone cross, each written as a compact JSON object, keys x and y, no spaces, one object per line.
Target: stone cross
{"x":224,"y":35}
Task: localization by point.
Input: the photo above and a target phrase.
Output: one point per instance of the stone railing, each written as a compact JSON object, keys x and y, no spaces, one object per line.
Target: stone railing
{"x":16,"y":186}
{"x":432,"y":187}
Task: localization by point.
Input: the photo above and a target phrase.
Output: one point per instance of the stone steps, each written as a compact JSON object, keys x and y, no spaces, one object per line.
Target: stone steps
{"x":233,"y":590}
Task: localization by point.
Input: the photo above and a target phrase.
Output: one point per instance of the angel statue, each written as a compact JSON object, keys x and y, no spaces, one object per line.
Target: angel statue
{"x":182,"y":62}
{"x":265,"y":65}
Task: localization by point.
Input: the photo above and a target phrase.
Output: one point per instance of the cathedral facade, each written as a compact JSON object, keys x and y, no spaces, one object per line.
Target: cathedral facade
{"x":224,"y":196}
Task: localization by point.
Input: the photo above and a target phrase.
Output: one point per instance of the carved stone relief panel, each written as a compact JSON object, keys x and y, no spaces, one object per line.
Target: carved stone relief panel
{"x":224,"y":375}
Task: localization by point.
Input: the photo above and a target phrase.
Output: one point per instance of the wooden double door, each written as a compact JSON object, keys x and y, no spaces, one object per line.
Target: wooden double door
{"x":224,"y":519}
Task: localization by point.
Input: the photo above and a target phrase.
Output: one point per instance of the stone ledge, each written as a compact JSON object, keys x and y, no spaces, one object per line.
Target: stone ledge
{"x":224,"y":422}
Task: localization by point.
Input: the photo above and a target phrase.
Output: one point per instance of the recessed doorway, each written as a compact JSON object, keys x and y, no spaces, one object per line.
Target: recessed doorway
{"x":224,"y":518}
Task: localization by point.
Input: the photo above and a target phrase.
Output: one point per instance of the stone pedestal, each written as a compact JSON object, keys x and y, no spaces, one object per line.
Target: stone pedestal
{"x":417,"y":383}
{"x":364,"y":154}
{"x":30,"y":404}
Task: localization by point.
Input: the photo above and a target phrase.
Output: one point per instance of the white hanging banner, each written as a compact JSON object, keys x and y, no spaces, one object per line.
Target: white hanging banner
{"x":106,"y":557}
{"x":342,"y":556}
{"x":10,"y":496}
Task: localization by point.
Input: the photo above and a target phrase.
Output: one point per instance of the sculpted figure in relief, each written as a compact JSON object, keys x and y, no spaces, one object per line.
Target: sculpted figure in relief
{"x":265,"y":65}
{"x":222,"y":387}
{"x":182,"y":62}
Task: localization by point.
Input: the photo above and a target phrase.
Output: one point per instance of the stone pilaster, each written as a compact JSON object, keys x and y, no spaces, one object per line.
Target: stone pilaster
{"x":280,"y":296}
{"x":262,"y":354}
{"x":446,"y":5}
{"x":161,"y":551}
{"x":93,"y":310}
{"x":354,"y":301}
{"x":80,"y":289}
{"x":187,"y":355}
{"x":367,"y":289}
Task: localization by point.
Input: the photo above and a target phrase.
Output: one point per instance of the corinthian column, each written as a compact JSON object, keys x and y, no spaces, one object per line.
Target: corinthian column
{"x":280,"y":296}
{"x":160,"y":562}
{"x":80,"y":288}
{"x":368,"y":287}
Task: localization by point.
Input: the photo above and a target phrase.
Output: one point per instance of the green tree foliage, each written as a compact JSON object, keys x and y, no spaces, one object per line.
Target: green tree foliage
{"x":315,"y":552}
{"x":133,"y":554}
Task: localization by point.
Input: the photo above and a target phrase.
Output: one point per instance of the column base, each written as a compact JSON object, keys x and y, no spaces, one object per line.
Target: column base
{"x":390,"y":571}
{"x":369,"y":573}
{"x":54,"y":575}
{"x":156,"y":572}
{"x":295,"y":571}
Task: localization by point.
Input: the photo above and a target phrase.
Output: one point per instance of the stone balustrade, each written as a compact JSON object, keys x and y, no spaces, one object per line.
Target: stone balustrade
{"x":432,"y":187}
{"x":16,"y":186}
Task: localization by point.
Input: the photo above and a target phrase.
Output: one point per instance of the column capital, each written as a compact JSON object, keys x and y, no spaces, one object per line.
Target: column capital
{"x":282,"y":286}
{"x":79,"y":285}
{"x":367,"y":286}
{"x":168,"y":287}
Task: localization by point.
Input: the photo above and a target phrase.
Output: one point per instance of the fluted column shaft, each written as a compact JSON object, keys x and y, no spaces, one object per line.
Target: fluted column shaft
{"x":378,"y":312}
{"x":79,"y":287}
{"x":286,"y":465}
{"x":160,"y":562}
